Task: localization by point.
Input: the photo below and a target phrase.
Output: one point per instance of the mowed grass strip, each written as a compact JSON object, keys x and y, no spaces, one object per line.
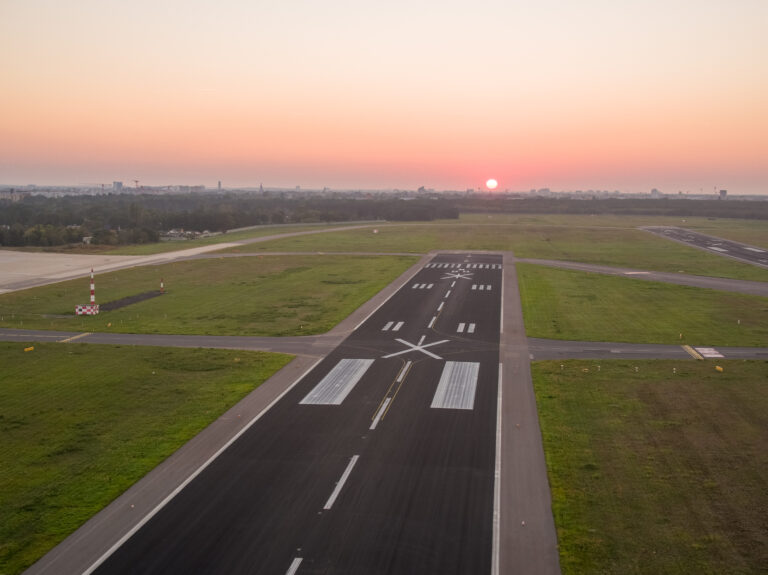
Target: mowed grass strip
{"x":572,"y":305}
{"x":653,"y":471}
{"x":256,"y":232}
{"x":604,"y":245}
{"x":269,"y":295}
{"x":79,"y":424}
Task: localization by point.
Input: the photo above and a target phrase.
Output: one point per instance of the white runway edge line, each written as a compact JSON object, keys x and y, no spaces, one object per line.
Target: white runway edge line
{"x":405,"y":283}
{"x":294,"y":566}
{"x":501,"y":321}
{"x":189,"y":479}
{"x":342,"y":481}
{"x":496,"y":545}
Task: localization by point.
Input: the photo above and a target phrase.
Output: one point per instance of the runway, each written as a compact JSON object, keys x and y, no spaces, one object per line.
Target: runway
{"x":380,"y":460}
{"x":394,"y":454}
{"x":714,"y":245}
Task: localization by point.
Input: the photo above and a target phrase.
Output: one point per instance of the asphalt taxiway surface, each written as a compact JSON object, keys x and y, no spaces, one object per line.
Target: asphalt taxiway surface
{"x":714,"y":245}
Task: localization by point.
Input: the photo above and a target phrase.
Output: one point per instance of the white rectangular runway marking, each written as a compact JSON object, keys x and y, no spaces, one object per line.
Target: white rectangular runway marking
{"x":453,"y":283}
{"x":387,"y":326}
{"x":440,"y":307}
{"x":415,"y":286}
{"x":337,"y":384}
{"x":342,"y":481}
{"x":471,"y":328}
{"x":474,"y":286}
{"x":398,"y":325}
{"x":457,"y":386}
{"x":294,"y":566}
{"x":447,"y":293}
{"x":431,"y":323}
{"x":718,"y":249}
{"x":430,"y":286}
{"x":460,"y":329}
{"x":756,"y":250}
{"x":709,"y":352}
{"x":379,"y":413}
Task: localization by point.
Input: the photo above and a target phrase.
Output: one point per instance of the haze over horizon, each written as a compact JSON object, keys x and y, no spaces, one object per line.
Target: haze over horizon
{"x":588,"y":95}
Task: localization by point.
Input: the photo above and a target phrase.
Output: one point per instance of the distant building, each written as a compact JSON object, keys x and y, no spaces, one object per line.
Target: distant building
{"x":723,"y":194}
{"x":655,"y":193}
{"x":219,"y":185}
{"x":117,"y":186}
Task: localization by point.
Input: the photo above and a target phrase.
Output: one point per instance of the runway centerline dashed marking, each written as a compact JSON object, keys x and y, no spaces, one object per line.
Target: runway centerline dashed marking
{"x":294,"y":566}
{"x":342,"y":481}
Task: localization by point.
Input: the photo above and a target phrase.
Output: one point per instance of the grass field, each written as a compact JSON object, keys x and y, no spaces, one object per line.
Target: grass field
{"x":605,"y":245}
{"x":256,"y":232}
{"x":655,"y":472}
{"x":571,"y":305}
{"x":80,"y":424}
{"x":270,"y":295}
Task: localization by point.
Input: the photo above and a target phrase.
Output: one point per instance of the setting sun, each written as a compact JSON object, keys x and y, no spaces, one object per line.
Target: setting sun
{"x":491,"y":184}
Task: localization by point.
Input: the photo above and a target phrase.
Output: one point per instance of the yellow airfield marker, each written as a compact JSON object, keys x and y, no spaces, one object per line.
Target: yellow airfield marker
{"x":692,"y":352}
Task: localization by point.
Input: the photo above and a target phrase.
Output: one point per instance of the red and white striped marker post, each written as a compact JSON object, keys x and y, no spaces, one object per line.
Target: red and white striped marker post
{"x":93,"y":289}
{"x":162,"y":287}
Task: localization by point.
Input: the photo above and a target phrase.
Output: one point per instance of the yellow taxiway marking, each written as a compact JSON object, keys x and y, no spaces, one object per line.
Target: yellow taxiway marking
{"x":693,"y":353}
{"x":74,"y":337}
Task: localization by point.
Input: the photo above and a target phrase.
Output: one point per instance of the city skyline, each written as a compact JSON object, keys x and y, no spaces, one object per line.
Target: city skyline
{"x":594,"y":95}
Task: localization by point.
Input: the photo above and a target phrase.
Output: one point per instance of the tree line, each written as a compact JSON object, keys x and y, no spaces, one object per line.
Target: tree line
{"x":134,"y":218}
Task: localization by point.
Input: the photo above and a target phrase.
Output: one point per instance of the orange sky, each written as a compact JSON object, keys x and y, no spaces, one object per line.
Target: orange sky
{"x":442,"y":94}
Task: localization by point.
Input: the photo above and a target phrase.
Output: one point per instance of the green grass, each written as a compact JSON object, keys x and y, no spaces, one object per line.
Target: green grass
{"x":654,"y":472}
{"x":570,"y":240}
{"x":259,"y":232}
{"x":571,"y":305}
{"x":79,"y":424}
{"x":270,"y":295}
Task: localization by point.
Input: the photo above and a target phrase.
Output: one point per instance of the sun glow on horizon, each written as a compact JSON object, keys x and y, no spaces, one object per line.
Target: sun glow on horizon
{"x":491,"y":184}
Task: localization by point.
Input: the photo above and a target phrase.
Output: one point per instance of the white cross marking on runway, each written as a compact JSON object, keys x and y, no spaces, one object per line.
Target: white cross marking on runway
{"x":415,"y":347}
{"x":457,"y":275}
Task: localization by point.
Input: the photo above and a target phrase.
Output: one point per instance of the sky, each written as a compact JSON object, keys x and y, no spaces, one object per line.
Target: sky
{"x":594,"y":94}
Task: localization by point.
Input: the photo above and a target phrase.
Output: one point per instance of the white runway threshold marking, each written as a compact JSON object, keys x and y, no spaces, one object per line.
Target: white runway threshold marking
{"x":337,"y":384}
{"x":342,"y":481}
{"x":756,"y":250}
{"x":717,"y":249}
{"x":457,"y":386}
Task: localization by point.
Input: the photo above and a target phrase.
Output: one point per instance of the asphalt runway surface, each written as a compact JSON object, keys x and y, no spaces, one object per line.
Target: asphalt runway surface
{"x":728,"y":248}
{"x":380,"y":460}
